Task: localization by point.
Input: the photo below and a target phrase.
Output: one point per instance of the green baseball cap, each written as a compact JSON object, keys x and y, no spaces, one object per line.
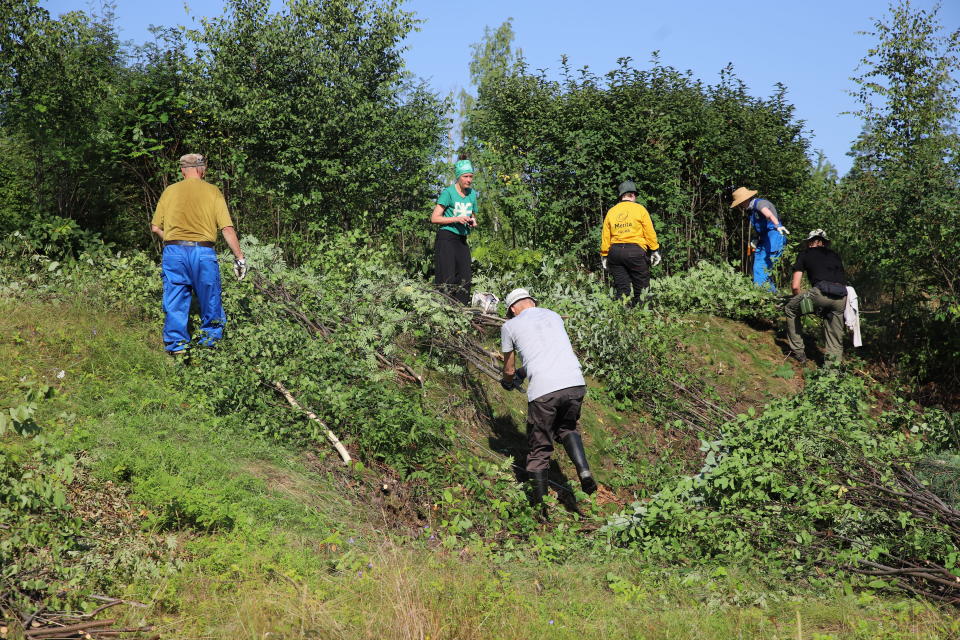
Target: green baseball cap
{"x":627,"y":186}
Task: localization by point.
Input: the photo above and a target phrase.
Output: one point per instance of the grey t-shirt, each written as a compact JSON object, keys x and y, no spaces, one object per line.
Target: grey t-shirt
{"x":538,"y":335}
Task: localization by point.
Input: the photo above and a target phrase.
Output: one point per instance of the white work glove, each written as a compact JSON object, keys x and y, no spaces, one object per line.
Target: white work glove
{"x":753,"y":245}
{"x":783,"y":230}
{"x":240,"y":268}
{"x":603,"y":262}
{"x":655,"y":258}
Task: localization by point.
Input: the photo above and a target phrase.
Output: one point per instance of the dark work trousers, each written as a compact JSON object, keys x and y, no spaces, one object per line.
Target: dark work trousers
{"x":454,"y":273}
{"x":549,"y":418}
{"x":628,"y":264}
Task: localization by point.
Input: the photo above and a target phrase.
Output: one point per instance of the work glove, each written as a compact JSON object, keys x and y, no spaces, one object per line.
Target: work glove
{"x":240,"y":268}
{"x":517,"y":383}
{"x":753,"y":246}
{"x":783,"y":230}
{"x":603,"y":262}
{"x":655,"y":258}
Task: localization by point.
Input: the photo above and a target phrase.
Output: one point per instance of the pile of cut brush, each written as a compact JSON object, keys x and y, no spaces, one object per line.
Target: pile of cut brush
{"x":901,"y":492}
{"x":68,"y":625}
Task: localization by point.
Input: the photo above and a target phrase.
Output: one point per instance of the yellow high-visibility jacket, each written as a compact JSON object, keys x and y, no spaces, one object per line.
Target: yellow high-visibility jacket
{"x":628,"y":223}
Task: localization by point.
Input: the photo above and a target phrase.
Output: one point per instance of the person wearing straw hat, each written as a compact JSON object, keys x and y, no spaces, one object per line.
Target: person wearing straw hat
{"x":628,"y":245}
{"x":187,"y":217}
{"x":827,"y":296}
{"x":455,"y":212}
{"x":771,"y":234}
{"x":555,"y":390}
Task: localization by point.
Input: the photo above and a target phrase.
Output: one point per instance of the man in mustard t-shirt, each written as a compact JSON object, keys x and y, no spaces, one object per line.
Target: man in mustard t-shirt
{"x":187,"y":218}
{"x":629,"y":245}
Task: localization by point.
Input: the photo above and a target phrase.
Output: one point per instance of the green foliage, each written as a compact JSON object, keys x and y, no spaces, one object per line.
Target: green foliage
{"x":550,"y":153}
{"x":310,"y":113}
{"x":906,"y":172}
{"x":59,"y":79}
{"x":775,"y":486}
{"x":338,"y":376}
{"x":16,"y":203}
{"x":713,"y":289}
{"x":55,"y":238}
{"x":39,"y":535}
{"x":291,"y":107}
{"x":482,"y":506}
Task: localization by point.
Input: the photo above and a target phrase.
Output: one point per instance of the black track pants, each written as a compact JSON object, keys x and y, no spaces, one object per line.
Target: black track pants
{"x":628,"y":264}
{"x":452,"y":266}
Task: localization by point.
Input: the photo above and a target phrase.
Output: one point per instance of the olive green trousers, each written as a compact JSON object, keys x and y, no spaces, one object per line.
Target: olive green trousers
{"x":830,"y":309}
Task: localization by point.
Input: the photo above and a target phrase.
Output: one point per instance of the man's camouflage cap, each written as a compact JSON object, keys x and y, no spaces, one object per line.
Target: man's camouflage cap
{"x":192,"y":160}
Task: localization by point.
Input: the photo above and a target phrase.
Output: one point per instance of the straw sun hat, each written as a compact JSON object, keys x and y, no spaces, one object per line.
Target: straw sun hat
{"x":741,"y":195}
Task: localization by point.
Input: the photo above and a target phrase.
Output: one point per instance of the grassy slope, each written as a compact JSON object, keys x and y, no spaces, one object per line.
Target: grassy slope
{"x":292,"y":551}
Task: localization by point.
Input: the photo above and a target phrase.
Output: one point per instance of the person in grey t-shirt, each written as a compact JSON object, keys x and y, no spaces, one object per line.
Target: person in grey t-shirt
{"x":555,"y":391}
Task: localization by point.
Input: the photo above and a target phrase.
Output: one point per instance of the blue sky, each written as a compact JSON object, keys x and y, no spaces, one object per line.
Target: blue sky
{"x":812,"y":47}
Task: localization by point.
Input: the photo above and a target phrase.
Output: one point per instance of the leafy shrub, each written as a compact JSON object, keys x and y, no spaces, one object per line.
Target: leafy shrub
{"x":714,"y":289}
{"x":779,"y":485}
{"x":481,"y":501}
{"x":39,"y":535}
{"x":56,"y":238}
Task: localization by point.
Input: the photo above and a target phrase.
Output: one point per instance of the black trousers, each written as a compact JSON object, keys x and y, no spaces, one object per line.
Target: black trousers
{"x":452,"y":267}
{"x":629,"y":265}
{"x":549,"y":418}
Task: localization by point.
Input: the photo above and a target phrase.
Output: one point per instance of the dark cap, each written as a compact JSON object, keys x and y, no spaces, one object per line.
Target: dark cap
{"x":627,"y":186}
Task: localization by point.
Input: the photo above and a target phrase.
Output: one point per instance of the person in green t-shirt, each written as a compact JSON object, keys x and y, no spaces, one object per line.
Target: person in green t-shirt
{"x":455,"y":211}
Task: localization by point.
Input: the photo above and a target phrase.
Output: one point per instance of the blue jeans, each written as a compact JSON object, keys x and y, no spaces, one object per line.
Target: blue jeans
{"x":191,"y":270}
{"x":769,"y":248}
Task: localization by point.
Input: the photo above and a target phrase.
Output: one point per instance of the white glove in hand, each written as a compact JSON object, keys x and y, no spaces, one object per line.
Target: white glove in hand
{"x":240,"y":268}
{"x":753,"y":245}
{"x":655,"y":258}
{"x":603,"y":262}
{"x":783,"y":230}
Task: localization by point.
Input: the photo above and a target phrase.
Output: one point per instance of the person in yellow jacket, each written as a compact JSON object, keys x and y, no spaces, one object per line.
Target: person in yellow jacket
{"x":629,"y":246}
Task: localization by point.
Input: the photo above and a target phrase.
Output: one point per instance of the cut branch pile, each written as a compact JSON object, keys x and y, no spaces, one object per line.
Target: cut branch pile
{"x":905,"y":493}
{"x":68,"y":625}
{"x":287,"y":301}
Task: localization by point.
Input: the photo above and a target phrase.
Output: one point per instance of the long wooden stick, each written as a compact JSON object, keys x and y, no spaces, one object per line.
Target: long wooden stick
{"x":54,"y":631}
{"x":344,"y":454}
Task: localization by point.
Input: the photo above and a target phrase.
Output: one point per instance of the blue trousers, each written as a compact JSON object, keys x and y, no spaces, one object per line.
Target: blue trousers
{"x":769,"y":248}
{"x":189,"y":270}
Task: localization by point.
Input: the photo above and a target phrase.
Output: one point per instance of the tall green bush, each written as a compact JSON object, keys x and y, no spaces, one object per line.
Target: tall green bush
{"x":309,"y":118}
{"x":552,"y":152}
{"x":59,"y":84}
{"x":311,"y":121}
{"x":900,"y":198}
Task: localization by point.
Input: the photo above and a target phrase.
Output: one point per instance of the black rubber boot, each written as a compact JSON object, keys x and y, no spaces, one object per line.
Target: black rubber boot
{"x":540,"y":484}
{"x":574,"y":446}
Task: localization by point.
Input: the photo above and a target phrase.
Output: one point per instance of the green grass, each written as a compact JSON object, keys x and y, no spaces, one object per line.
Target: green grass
{"x":744,"y":366}
{"x":274,"y":539}
{"x":191,"y":468}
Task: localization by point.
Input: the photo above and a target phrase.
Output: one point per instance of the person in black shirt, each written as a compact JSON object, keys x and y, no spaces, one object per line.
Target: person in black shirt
{"x":827,"y":295}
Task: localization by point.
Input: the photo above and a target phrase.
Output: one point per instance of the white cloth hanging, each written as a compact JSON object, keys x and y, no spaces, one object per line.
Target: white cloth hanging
{"x":851,"y":316}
